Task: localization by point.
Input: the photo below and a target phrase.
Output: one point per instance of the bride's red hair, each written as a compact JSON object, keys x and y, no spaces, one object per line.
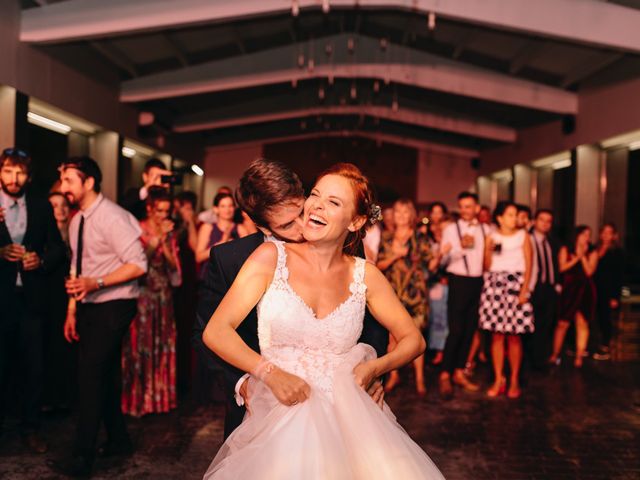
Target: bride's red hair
{"x":364,"y":200}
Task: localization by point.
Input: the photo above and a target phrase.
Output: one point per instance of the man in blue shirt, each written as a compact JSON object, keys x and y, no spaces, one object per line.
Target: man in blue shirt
{"x":30,"y":247}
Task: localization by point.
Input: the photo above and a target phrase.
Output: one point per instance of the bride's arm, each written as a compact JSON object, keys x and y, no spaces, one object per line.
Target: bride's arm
{"x":386,"y":308}
{"x":220,"y":333}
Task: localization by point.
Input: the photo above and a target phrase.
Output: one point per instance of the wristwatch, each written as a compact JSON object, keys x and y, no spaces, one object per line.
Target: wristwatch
{"x":100,"y":282}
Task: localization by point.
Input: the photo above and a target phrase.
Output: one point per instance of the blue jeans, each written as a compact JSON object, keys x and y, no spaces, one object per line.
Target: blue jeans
{"x":438,"y":324}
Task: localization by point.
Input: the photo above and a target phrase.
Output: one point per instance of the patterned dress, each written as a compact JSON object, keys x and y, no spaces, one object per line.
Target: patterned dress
{"x":407,"y":275}
{"x":149,"y":353}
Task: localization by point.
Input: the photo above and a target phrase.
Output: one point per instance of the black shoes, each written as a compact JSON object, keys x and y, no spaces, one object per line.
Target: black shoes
{"x":75,"y":467}
{"x":35,"y":443}
{"x":110,"y":449}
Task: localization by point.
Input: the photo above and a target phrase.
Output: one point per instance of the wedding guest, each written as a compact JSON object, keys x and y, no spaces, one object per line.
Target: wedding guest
{"x":437,"y":213}
{"x":608,"y":280}
{"x":135,"y":198}
{"x":403,"y":255}
{"x":505,"y":310}
{"x":30,"y":248}
{"x":224,"y":230}
{"x":523,"y":219}
{"x":438,"y":295}
{"x":59,"y":383}
{"x":185,"y":296}
{"x":464,"y":239}
{"x":577,"y":262}
{"x":387,"y":219}
{"x":149,"y":353}
{"x":107,"y":260}
{"x":545,"y":297}
{"x":484,"y":215}
{"x":210,"y":215}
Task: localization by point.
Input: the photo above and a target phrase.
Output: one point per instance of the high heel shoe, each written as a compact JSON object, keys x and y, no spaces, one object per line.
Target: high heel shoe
{"x":514,"y":393}
{"x":494,"y":392}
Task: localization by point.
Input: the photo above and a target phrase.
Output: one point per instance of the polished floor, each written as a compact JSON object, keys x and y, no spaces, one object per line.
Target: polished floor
{"x":568,"y":425}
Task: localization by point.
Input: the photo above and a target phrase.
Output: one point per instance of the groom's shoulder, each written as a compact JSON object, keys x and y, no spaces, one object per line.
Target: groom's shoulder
{"x":239,"y":249}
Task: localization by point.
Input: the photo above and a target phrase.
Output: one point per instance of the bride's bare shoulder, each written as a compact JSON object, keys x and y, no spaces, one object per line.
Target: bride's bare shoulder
{"x":265,"y":257}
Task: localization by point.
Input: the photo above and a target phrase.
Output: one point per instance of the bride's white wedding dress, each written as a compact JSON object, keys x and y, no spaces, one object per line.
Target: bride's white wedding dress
{"x":339,"y":432}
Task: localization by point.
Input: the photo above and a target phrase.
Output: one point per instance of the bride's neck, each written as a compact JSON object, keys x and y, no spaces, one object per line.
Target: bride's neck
{"x":323,"y":255}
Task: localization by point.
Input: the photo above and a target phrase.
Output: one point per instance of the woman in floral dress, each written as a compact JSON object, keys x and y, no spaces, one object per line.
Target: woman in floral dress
{"x":149,"y":354}
{"x":404,"y":257}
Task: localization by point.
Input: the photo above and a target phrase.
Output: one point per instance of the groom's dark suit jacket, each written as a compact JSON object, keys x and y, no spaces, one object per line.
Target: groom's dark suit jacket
{"x":224,"y":264}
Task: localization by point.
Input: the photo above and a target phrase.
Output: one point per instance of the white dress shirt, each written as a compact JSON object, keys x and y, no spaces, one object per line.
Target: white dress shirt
{"x":474,"y":256}
{"x":111,"y":239}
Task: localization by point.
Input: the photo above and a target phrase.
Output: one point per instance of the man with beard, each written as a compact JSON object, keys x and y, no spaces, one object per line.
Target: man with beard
{"x":107,"y":259}
{"x":30,"y":247}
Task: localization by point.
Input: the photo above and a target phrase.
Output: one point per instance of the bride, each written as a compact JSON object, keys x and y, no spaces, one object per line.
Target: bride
{"x":308,"y":415}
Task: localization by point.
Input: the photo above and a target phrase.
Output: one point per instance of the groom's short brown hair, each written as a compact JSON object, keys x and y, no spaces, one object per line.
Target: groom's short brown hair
{"x":264,"y":185}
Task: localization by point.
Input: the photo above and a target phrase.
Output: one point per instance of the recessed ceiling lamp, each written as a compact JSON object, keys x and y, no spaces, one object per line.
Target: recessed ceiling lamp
{"x":354,"y":91}
{"x":128,"y":152}
{"x":47,"y":123}
{"x":321,"y":92}
{"x":197,"y":170}
{"x":431,"y":20}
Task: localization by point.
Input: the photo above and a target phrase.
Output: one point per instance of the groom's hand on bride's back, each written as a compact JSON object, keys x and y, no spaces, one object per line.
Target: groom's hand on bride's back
{"x":289,"y":389}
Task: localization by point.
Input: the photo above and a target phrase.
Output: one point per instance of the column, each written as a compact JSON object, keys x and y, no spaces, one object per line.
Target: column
{"x":523,"y":183}
{"x":589,"y":191}
{"x":103,"y":148}
{"x":615,"y":197}
{"x":8,"y":116}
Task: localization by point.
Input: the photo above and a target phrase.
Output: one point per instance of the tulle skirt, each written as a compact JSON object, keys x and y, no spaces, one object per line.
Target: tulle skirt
{"x":344,"y":437}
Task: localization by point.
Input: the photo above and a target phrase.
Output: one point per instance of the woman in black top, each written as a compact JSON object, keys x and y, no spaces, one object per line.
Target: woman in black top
{"x":608,"y":281}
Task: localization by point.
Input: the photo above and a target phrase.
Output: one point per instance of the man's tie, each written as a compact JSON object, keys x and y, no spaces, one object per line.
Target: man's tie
{"x":79,"y":253}
{"x":548,"y":261}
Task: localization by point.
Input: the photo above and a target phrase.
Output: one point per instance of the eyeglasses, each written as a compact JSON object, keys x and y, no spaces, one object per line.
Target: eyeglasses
{"x":10,"y":152}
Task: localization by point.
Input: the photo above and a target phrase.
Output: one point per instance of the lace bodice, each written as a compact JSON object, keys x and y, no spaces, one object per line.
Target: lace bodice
{"x":293,"y":338}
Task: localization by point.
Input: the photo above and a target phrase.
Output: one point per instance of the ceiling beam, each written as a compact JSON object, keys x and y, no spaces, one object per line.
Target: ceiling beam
{"x":529,"y":51}
{"x":177,"y":51}
{"x":405,"y":66}
{"x":590,"y":67}
{"x":115,"y":56}
{"x":375,"y":136}
{"x":208,"y":121}
{"x":591,"y":22}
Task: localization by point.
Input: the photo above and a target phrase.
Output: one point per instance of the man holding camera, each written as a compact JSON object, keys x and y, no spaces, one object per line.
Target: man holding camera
{"x":155,"y":173}
{"x":464,"y":239}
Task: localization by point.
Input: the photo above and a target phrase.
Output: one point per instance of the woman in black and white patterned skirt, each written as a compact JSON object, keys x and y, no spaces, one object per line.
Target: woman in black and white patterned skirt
{"x":505,"y":309}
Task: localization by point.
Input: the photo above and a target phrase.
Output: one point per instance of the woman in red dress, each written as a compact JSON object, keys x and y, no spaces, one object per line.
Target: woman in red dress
{"x":149,"y":353}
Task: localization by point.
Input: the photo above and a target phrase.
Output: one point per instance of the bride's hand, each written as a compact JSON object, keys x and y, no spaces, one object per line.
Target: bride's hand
{"x":289,"y":389}
{"x":365,"y":374}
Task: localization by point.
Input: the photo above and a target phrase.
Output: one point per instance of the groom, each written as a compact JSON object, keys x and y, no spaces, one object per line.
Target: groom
{"x":273,"y":196}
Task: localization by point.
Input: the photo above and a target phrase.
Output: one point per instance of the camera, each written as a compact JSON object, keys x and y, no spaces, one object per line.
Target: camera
{"x":172,"y":180}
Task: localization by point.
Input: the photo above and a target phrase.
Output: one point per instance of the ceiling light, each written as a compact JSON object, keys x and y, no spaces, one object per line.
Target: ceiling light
{"x":561,"y":164}
{"x":47,"y":123}
{"x":295,"y":8}
{"x":432,"y":20}
{"x":325,"y":6}
{"x":128,"y":152}
{"x":197,"y":170}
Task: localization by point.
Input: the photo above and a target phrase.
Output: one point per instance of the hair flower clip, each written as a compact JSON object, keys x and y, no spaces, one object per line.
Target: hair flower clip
{"x":375,"y":214}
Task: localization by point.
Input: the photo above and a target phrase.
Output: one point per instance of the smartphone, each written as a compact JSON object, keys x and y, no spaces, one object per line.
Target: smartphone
{"x":174,"y":179}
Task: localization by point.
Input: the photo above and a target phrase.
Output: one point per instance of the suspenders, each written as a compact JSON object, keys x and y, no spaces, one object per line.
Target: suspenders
{"x":464,"y":256}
